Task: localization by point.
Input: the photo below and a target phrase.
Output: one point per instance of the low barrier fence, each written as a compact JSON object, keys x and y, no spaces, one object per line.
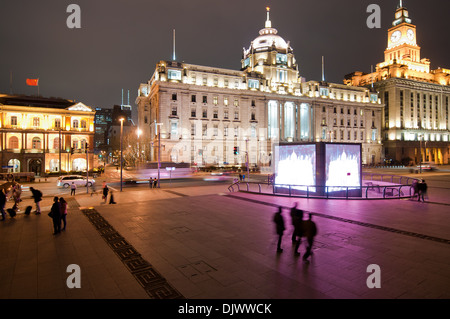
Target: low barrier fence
{"x":375,"y":186}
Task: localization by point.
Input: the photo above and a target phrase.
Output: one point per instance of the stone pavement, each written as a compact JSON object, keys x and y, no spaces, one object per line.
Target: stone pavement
{"x":207,"y":243}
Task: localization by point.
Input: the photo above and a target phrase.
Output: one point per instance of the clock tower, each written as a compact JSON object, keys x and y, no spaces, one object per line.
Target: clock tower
{"x":402,"y":41}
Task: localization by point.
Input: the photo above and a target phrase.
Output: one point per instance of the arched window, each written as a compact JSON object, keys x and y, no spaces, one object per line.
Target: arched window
{"x":13,"y":142}
{"x":36,"y":143}
{"x":75,"y":124}
{"x":83,"y":124}
{"x":15,"y":163}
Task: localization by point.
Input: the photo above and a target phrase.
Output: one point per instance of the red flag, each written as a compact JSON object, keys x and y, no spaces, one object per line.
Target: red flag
{"x":32,"y":82}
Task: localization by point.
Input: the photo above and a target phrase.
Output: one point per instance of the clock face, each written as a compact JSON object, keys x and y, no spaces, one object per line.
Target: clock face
{"x":395,"y":37}
{"x":410,"y":34}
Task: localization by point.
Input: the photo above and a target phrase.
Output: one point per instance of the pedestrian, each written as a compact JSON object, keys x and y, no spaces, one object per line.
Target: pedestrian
{"x":415,"y":187}
{"x":155,"y":183}
{"x":294,"y":219}
{"x":55,"y":214}
{"x":111,"y":198}
{"x":37,"y":196}
{"x":2,"y":203}
{"x":150,"y":183}
{"x":17,"y":192}
{"x":73,"y":188}
{"x":240,"y":177}
{"x":298,"y":229}
{"x":63,"y":205}
{"x":93,"y":190}
{"x":309,"y":231}
{"x":423,"y":187}
{"x":105,"y":192}
{"x":279,"y":227}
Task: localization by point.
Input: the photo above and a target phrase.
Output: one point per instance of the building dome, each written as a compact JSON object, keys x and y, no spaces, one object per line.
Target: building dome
{"x":269,"y":39}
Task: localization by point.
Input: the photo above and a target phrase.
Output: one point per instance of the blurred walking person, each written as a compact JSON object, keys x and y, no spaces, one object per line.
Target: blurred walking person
{"x":63,"y":206}
{"x":279,"y":227}
{"x":105,"y":192}
{"x":2,"y":203}
{"x":55,"y":214}
{"x":37,"y":196}
{"x":309,"y":231}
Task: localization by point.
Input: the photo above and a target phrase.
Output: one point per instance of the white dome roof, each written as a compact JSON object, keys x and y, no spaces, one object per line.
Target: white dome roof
{"x":269,"y":37}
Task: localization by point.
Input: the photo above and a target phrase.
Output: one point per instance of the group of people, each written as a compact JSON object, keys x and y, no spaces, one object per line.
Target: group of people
{"x":420,"y":190}
{"x":105,"y":192}
{"x":58,"y":214}
{"x":301,"y":228}
{"x":153,"y":182}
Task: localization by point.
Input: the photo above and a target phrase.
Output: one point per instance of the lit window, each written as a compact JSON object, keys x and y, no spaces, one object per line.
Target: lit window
{"x":174,"y":74}
{"x":83,"y":124}
{"x":253,"y":84}
{"x":36,"y":143}
{"x":57,"y":123}
{"x":36,"y":122}
{"x":13,"y":120}
{"x":75,"y":124}
{"x":13,"y":142}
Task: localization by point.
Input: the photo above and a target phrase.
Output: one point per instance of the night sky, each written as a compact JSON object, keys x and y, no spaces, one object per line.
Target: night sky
{"x":120,"y":41}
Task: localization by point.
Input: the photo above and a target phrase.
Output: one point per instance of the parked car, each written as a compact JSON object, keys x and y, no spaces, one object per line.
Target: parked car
{"x":66,"y":181}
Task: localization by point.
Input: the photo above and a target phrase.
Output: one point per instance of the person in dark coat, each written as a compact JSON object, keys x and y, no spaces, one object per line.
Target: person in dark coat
{"x":309,"y":231}
{"x":295,"y":214}
{"x":423,"y":187}
{"x":415,"y":186}
{"x":37,"y":196}
{"x":155,"y":183}
{"x":298,"y":229}
{"x":55,"y":212}
{"x":105,"y":191}
{"x":2,"y":203}
{"x":150,"y":182}
{"x":279,"y":227}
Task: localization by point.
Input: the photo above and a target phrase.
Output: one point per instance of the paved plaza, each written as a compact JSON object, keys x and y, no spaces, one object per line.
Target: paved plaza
{"x":207,"y":243}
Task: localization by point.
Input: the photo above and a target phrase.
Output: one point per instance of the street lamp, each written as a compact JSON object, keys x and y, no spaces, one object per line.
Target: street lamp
{"x":158,"y":132}
{"x":121,"y":151}
{"x":420,"y":153}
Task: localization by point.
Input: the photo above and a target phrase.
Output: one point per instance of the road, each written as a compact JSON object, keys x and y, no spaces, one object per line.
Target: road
{"x":438,"y":181}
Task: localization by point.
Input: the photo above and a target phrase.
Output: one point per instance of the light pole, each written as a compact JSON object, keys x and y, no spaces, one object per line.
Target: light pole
{"x":159,"y":150}
{"x":247,"y":160}
{"x":121,"y":151}
{"x":420,"y":153}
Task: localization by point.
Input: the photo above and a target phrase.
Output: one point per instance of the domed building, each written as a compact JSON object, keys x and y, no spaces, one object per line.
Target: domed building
{"x":214,"y":116}
{"x":269,"y":54}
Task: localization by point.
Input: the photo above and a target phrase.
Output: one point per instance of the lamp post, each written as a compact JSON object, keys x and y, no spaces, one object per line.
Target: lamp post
{"x":121,"y":151}
{"x":247,"y":159}
{"x":420,"y":153}
{"x":158,"y":132}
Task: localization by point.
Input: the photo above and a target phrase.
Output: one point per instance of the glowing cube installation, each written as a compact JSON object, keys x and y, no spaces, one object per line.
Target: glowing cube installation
{"x":318,"y":168}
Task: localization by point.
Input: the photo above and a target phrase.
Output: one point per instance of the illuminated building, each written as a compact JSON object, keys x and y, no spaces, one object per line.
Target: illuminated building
{"x":214,"y":116}
{"x":31,"y":129}
{"x":416,"y":98}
